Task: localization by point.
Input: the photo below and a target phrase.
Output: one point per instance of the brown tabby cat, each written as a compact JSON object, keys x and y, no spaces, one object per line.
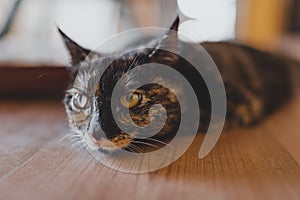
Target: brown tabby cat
{"x":256,"y":83}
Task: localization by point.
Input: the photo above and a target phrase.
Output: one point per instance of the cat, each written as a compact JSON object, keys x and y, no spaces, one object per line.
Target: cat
{"x":256,"y":83}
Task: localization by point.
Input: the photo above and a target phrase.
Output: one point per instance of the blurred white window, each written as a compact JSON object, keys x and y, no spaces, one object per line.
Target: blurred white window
{"x":33,"y":36}
{"x":210,"y":20}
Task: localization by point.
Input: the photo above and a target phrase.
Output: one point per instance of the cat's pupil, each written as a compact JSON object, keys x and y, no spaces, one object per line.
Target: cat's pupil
{"x":129,"y":98}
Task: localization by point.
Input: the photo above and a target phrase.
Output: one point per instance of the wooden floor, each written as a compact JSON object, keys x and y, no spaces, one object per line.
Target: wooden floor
{"x":262,"y":163}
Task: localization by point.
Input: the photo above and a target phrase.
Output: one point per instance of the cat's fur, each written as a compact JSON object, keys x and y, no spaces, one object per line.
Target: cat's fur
{"x":256,"y":84}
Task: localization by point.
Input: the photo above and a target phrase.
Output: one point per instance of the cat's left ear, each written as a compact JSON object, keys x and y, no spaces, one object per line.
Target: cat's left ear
{"x":169,"y":43}
{"x":170,"y":40}
{"x":77,"y":53}
{"x":175,"y":25}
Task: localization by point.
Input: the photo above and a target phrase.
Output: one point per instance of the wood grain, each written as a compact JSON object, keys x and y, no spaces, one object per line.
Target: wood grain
{"x":258,"y":163}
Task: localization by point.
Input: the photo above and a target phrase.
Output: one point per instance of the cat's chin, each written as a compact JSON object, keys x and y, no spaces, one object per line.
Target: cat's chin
{"x":94,"y":148}
{"x":106,"y":151}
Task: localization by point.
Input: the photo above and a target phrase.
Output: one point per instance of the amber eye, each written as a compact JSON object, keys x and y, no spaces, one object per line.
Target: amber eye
{"x":80,"y":101}
{"x":130,"y":101}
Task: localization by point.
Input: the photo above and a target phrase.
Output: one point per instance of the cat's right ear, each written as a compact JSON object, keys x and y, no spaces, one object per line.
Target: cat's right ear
{"x":77,"y":53}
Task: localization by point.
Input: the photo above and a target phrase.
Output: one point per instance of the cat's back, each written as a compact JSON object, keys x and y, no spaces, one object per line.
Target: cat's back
{"x":230,"y":53}
{"x":269,"y":76}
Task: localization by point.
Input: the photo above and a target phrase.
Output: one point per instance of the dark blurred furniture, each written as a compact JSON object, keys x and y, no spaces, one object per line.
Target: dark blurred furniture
{"x":294,"y":24}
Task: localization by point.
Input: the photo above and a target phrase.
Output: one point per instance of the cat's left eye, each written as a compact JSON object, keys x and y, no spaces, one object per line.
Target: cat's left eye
{"x":130,"y":101}
{"x":80,"y":101}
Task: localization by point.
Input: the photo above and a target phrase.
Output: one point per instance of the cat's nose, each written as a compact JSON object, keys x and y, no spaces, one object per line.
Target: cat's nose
{"x":97,"y":142}
{"x":96,"y":135}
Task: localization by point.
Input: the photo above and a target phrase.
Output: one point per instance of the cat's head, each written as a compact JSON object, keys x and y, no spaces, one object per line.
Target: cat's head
{"x":89,"y":103}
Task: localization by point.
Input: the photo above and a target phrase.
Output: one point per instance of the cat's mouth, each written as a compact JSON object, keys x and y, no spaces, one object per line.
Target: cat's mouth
{"x":119,"y":142}
{"x":129,"y":143}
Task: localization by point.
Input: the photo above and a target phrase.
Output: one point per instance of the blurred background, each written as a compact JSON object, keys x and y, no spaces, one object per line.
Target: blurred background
{"x":32,"y":54}
{"x":28,"y":30}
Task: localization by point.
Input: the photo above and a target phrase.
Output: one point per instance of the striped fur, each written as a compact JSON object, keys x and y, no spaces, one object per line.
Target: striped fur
{"x":256,"y":82}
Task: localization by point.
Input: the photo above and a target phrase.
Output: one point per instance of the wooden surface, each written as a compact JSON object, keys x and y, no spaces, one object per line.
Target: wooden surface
{"x":261,"y":163}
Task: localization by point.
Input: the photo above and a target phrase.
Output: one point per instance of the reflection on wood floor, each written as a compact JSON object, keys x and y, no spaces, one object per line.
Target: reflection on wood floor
{"x":261,"y":163}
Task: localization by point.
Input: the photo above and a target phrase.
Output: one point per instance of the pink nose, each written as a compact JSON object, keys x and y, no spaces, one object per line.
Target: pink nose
{"x":97,"y":142}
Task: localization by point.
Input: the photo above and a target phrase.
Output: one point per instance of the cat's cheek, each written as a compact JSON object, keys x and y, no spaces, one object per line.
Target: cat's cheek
{"x":89,"y":142}
{"x":79,"y":119}
{"x":71,"y":122}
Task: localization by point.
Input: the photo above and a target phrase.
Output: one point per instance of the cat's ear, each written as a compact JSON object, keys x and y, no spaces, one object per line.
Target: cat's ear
{"x":171,"y":37}
{"x":175,"y":24}
{"x":169,"y":42}
{"x":77,"y":53}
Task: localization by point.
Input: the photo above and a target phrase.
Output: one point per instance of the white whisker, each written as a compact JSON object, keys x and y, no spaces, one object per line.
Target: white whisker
{"x":75,"y":144}
{"x":69,"y":136}
{"x":139,"y":142}
{"x":164,"y":143}
{"x":136,"y":148}
{"x":75,"y":140}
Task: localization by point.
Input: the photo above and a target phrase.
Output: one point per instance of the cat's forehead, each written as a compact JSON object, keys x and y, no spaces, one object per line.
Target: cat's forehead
{"x":111,"y":65}
{"x":90,"y":71}
{"x":118,"y":61}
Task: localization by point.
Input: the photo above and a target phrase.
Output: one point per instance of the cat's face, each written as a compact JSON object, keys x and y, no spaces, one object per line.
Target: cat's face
{"x":97,"y":118}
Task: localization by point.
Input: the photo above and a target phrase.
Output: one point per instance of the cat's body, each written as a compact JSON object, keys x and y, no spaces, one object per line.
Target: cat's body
{"x":256,"y":83}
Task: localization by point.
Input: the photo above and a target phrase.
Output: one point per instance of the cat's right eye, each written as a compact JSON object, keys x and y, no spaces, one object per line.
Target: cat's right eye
{"x":80,"y":101}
